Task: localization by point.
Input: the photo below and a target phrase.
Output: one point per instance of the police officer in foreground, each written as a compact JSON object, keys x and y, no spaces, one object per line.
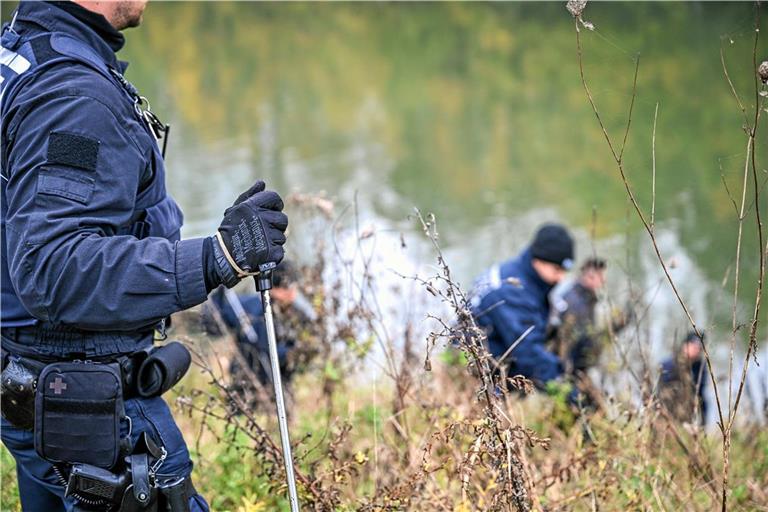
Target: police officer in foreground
{"x":92,"y":265}
{"x":511,"y":303}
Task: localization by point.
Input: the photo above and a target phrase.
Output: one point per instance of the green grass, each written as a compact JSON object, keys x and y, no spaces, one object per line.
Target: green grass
{"x":9,"y":492}
{"x":357,"y":447}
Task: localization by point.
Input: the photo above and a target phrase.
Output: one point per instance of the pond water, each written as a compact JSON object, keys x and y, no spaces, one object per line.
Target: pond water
{"x":473,"y":111}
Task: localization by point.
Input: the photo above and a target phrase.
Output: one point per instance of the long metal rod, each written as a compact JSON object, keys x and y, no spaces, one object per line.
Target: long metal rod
{"x":282,"y":420}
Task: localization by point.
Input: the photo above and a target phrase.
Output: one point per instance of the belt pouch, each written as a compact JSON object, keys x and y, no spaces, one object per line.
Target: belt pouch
{"x":164,"y":367}
{"x":78,"y":408}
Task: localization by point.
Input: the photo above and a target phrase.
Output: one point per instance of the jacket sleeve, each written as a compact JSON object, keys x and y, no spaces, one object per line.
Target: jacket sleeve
{"x":73,"y":179}
{"x":511,"y":319}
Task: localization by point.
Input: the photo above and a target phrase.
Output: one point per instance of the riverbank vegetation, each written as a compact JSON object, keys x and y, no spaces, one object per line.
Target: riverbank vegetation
{"x":381,"y":421}
{"x":370,"y":448}
{"x":396,"y":405}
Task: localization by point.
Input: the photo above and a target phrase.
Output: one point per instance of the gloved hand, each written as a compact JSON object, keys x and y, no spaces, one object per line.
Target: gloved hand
{"x":252,"y":233}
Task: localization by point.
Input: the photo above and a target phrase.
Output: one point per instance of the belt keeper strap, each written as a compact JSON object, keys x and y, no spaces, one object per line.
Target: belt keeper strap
{"x":140,"y":476}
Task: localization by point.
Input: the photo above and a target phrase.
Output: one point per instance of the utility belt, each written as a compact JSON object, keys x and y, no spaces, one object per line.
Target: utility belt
{"x":45,"y":341}
{"x":76,"y":409}
{"x":147,"y":373}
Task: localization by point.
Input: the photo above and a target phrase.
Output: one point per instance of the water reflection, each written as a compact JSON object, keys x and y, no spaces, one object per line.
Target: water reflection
{"x":473,"y":111}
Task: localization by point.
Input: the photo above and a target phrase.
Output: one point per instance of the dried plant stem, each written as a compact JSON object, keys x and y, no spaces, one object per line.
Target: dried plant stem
{"x":243,"y":409}
{"x":750,"y":165}
{"x":501,"y":438}
{"x":653,"y":168}
{"x":737,"y":272}
{"x":618,"y":158}
{"x":733,"y":89}
{"x":750,"y":168}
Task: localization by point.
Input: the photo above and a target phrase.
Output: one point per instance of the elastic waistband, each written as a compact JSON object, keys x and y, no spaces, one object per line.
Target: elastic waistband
{"x":66,"y":342}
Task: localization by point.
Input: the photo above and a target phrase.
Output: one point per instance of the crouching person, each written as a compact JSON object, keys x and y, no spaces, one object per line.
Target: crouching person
{"x":511,"y":303}
{"x":243,"y":316}
{"x":92,"y":265}
{"x":683,"y":381}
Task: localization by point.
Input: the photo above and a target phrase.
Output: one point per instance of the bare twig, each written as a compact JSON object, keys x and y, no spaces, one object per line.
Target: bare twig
{"x":750,"y":165}
{"x":620,"y":165}
{"x":653,"y":168}
{"x":730,"y":84}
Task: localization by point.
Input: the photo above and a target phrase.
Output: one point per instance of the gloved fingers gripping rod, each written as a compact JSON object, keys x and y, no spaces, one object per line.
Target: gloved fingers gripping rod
{"x":263,"y":285}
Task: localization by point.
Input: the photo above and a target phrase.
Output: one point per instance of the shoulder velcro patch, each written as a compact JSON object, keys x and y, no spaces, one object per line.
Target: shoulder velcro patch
{"x":74,"y":150}
{"x":41,"y":47}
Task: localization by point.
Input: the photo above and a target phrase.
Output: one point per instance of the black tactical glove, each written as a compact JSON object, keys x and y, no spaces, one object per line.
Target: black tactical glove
{"x":251,"y":234}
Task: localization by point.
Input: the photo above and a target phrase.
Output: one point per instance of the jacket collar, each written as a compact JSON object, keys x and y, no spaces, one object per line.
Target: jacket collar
{"x":523,"y":264}
{"x":89,"y":29}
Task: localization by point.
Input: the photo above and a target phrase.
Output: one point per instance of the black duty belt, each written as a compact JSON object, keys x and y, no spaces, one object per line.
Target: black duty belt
{"x":54,"y":343}
{"x":145,"y":371}
{"x":129,"y":366}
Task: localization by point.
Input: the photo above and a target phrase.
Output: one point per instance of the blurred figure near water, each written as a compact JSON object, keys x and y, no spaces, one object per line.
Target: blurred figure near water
{"x":511,"y":303}
{"x":577,"y":338}
{"x":293,"y":315}
{"x":683,"y":382}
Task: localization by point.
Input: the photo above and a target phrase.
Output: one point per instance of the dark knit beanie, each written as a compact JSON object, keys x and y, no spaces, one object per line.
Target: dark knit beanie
{"x":692,"y":337}
{"x":554,"y":244}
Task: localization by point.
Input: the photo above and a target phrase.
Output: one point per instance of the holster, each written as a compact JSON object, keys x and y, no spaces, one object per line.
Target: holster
{"x":176,"y":495}
{"x":91,"y":484}
{"x":18,"y":382}
{"x":132,"y":488}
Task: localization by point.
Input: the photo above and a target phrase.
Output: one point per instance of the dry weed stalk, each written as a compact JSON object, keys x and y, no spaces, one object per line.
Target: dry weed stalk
{"x":498,"y":441}
{"x":727,"y":417}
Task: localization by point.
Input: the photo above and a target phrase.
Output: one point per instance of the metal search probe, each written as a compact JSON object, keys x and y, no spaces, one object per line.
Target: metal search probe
{"x":264,"y":284}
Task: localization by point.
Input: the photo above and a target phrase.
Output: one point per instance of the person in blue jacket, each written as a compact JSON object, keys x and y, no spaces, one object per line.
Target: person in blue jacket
{"x":92,"y":262}
{"x":294,"y":319}
{"x":511,"y":303}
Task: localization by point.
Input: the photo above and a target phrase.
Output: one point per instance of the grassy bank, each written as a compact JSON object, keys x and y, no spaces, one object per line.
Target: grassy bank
{"x":366,"y":448}
{"x":379,"y":423}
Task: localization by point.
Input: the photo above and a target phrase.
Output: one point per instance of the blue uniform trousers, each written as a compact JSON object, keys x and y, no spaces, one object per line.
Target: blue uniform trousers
{"x":39,"y":488}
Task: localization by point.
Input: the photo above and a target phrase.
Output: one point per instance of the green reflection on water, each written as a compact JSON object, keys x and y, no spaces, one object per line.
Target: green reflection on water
{"x":475,"y":105}
{"x":470,"y":110}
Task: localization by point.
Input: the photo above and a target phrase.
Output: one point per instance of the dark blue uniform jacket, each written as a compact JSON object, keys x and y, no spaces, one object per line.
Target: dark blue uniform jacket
{"x":671,"y":374}
{"x":507,"y":301}
{"x":90,"y":237}
{"x":253,"y":308}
